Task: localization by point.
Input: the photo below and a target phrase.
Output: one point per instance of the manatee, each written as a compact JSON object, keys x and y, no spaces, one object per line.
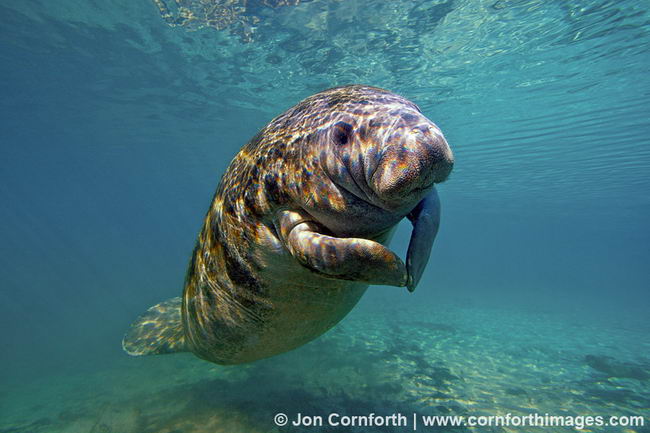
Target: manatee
{"x":299,"y":226}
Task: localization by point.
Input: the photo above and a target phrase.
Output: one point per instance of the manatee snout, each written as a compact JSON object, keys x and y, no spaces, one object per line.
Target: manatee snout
{"x":409,"y":167}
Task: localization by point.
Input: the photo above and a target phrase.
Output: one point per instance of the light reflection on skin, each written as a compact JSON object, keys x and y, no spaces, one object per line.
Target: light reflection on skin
{"x":299,"y":224}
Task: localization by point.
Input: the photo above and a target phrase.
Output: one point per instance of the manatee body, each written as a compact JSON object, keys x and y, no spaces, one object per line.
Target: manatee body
{"x":299,"y":225}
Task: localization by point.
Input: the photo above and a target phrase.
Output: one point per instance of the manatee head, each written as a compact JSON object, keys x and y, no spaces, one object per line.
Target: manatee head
{"x":382,"y":149}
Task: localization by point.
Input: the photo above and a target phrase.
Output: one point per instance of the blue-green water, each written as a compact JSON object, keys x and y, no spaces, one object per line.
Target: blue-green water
{"x":115,"y":128}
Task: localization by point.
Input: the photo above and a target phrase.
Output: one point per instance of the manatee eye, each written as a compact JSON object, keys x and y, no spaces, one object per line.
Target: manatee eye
{"x":341,"y":133}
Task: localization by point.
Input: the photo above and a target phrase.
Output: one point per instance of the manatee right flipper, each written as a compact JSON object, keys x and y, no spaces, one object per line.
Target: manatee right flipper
{"x":352,"y":259}
{"x":158,"y":331}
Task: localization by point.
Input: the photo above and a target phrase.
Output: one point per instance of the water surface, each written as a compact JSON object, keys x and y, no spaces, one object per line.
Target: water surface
{"x":116,"y":127}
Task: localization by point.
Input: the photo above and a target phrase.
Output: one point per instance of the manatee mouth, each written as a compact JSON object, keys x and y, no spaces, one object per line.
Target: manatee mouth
{"x":371,"y":177}
{"x":422,"y":189}
{"x":398,"y":184}
{"x":408,"y":171}
{"x":395,"y":181}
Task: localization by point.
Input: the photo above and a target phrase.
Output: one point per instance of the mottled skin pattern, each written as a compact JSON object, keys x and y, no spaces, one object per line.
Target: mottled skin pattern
{"x":298,"y":226}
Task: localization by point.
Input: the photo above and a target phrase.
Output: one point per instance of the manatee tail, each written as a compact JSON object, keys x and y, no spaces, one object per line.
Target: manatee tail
{"x":159,"y":330}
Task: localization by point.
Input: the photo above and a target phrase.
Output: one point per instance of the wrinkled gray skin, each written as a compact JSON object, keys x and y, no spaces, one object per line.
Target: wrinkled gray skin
{"x":299,"y":224}
{"x":390,"y":161}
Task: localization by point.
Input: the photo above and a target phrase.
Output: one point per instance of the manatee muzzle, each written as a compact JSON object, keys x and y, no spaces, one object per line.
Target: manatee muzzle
{"x":411,"y":166}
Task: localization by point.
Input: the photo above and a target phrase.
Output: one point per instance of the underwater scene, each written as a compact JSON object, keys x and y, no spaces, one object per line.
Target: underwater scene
{"x":517,"y":130}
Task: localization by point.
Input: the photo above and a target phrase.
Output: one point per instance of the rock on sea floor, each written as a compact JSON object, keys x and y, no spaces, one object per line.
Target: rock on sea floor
{"x":452,"y":360}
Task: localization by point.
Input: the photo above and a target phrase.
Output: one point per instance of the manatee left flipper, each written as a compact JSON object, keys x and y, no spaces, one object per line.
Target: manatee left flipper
{"x":426,"y":220}
{"x":353,"y":259}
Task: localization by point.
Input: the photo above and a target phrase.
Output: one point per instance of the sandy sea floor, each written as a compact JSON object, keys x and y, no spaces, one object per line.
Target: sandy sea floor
{"x":454,"y":360}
